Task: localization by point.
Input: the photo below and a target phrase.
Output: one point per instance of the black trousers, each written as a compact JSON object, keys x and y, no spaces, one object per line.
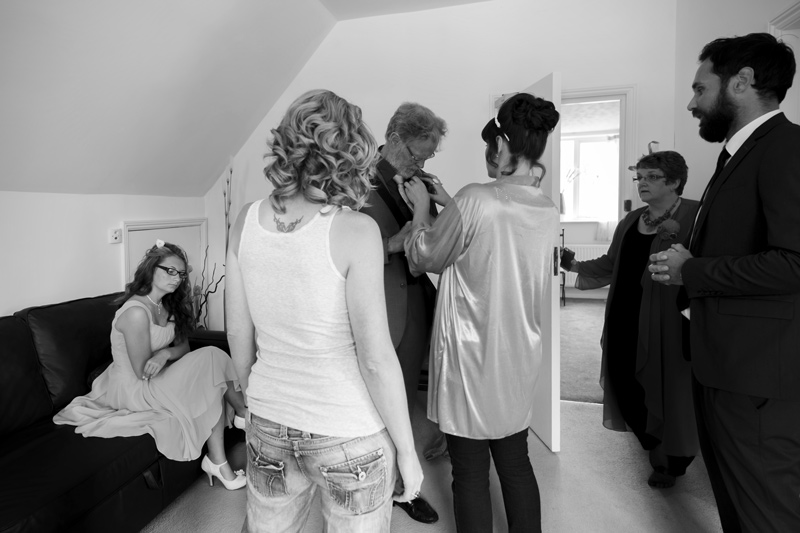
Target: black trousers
{"x":751,"y":447}
{"x":471,"y":500}
{"x":414,"y":344}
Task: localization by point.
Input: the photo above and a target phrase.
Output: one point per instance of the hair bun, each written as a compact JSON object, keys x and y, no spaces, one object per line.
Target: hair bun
{"x":534,"y":113}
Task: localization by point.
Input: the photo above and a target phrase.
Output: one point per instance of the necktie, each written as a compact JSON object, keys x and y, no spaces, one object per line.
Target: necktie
{"x":401,"y":188}
{"x":721,"y":160}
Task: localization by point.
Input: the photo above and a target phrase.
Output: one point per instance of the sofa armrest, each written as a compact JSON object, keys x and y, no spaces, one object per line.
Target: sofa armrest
{"x":200,"y":338}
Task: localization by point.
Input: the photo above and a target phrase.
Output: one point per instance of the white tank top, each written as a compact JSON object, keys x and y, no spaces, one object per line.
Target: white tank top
{"x":306,"y":375}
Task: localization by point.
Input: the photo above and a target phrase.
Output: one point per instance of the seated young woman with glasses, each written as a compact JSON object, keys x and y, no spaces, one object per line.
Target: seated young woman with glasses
{"x":155,"y":384}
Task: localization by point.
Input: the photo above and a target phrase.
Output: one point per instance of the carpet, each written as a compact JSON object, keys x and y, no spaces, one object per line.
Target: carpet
{"x":596,"y":484}
{"x":581,"y":328}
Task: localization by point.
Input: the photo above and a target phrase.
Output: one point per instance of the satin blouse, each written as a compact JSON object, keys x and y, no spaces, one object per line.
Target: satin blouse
{"x":493,"y":246}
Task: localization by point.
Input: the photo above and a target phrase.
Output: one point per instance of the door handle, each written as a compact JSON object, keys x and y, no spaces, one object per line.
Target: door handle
{"x":555,"y":260}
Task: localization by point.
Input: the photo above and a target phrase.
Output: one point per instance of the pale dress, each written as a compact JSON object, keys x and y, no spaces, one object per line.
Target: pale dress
{"x":178,"y":407}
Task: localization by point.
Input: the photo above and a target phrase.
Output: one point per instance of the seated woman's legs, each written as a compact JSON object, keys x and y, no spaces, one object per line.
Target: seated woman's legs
{"x":216,"y":448}
{"x":518,"y":482}
{"x":235,"y":399}
{"x":471,"y":500}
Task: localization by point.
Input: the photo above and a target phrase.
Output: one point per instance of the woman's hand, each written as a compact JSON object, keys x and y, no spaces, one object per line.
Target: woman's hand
{"x":155,"y":364}
{"x":417,"y":194}
{"x":411,"y":475}
{"x":435,"y":188}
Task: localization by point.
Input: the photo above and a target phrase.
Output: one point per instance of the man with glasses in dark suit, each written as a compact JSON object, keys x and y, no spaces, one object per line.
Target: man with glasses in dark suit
{"x":412,"y":137}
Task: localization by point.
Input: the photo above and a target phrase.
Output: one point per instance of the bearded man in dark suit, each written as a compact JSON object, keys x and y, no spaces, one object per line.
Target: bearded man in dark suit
{"x":412,"y":137}
{"x":741,"y":281}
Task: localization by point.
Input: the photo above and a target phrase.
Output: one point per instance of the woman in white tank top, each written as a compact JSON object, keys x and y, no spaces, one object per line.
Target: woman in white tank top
{"x":309,"y":335}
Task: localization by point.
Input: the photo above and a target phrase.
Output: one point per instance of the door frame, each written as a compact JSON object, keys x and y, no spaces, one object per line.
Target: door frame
{"x":627,"y":134}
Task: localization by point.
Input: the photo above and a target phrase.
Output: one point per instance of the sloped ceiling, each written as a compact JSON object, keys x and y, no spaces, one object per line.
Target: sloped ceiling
{"x":353,"y":9}
{"x":149,"y":97}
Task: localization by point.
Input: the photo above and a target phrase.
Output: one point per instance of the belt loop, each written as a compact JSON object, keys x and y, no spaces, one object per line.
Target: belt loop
{"x":284,"y":432}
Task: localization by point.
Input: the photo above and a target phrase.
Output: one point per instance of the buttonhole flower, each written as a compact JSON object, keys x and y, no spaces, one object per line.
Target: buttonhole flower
{"x":668,"y":230}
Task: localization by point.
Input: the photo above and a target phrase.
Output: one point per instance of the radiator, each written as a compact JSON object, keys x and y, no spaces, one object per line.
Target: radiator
{"x":582,"y":253}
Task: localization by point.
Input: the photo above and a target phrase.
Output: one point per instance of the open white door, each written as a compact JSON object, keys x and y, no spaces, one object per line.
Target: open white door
{"x":546,"y":421}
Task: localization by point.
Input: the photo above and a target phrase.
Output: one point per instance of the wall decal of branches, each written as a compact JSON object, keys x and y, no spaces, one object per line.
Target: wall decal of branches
{"x":202,"y":290}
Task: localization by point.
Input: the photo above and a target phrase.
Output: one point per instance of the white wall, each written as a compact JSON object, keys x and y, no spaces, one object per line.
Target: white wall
{"x":453,"y":59}
{"x":54,"y":246}
{"x":697,"y":24}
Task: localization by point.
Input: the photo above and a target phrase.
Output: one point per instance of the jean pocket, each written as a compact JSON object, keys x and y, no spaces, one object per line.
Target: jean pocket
{"x":265,"y":474}
{"x":358,"y":485}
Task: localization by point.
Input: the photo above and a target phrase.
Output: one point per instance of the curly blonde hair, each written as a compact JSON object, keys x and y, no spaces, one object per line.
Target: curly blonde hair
{"x":323,"y":150}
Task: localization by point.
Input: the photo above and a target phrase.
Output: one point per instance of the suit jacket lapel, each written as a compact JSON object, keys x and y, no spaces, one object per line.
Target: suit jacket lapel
{"x":390,"y":203}
{"x":734,"y":161}
{"x":385,"y":178}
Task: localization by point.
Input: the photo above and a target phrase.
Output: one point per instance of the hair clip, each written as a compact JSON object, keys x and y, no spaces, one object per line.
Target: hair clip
{"x":159,"y":243}
{"x":499,"y":127}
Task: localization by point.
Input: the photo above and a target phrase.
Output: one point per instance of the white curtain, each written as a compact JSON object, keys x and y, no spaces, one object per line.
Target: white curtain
{"x":605,"y":230}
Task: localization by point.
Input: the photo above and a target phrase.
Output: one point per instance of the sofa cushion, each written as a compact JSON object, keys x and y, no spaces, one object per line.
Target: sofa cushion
{"x":72,"y":339}
{"x":59,"y":475}
{"x":23,"y":395}
{"x":209,"y":337}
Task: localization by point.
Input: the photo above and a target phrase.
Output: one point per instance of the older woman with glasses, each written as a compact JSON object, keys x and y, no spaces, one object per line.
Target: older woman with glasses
{"x":645,"y":378}
{"x":155,"y":384}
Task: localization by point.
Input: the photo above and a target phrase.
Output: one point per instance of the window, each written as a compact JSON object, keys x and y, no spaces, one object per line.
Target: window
{"x":591,"y":128}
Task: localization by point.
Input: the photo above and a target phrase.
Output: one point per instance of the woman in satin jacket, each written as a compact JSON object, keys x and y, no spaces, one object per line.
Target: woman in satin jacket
{"x":492,"y":245}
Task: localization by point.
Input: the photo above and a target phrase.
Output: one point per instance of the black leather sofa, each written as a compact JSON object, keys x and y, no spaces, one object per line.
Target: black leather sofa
{"x":52,"y":479}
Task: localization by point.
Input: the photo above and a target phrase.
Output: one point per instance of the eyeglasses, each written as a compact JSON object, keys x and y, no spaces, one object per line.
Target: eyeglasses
{"x":418,"y":160}
{"x":650,"y":178}
{"x":173,"y":271}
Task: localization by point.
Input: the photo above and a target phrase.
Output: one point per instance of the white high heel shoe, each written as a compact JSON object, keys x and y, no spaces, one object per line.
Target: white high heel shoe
{"x":213,"y":471}
{"x":238,"y":422}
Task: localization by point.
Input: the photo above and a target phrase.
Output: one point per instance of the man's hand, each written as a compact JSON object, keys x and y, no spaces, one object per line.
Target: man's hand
{"x":666,"y":266}
{"x":395,"y":242}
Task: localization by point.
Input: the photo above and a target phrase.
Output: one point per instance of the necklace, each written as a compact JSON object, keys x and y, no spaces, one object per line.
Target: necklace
{"x":158,"y":305}
{"x":655,"y":222}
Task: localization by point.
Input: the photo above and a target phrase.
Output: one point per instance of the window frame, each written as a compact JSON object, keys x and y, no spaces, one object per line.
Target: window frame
{"x":627,"y":135}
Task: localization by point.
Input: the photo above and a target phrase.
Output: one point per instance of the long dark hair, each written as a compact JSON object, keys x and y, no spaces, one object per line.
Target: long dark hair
{"x":178,"y":304}
{"x":525,"y":121}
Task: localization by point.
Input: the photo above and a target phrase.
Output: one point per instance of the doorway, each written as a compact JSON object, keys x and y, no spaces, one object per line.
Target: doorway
{"x":596,"y":148}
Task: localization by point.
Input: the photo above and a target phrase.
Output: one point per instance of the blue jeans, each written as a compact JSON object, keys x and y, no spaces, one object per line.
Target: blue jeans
{"x":286,"y":467}
{"x":471,"y":500}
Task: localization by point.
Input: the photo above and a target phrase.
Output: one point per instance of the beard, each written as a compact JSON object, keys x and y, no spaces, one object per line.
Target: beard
{"x":716,"y":122}
{"x":405,"y":171}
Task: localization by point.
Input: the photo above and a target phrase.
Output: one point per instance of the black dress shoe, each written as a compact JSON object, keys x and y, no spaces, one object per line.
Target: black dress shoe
{"x":419,"y":510}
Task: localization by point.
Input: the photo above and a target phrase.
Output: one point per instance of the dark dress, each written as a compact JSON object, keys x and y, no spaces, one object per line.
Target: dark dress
{"x":642,"y":341}
{"x":623,"y":336}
